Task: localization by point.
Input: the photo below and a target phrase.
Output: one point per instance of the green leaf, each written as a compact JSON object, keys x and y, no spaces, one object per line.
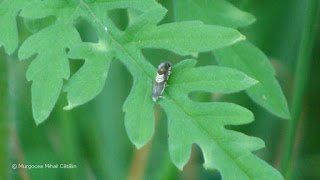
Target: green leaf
{"x":249,"y":59}
{"x":139,"y":117}
{"x":203,"y":123}
{"x":217,"y":12}
{"x":8,"y":25}
{"x":91,"y":76}
{"x":50,"y":66}
{"x":242,"y":56}
{"x":208,"y":78}
{"x":187,"y":37}
{"x":189,"y":122}
{"x":142,"y":33}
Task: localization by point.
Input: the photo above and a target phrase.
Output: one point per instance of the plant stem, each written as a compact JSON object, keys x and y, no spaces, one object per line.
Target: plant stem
{"x":300,"y":81}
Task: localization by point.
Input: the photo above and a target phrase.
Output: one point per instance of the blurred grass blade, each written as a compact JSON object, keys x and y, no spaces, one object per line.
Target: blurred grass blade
{"x":4,"y":116}
{"x":311,"y":24}
{"x":33,"y":145}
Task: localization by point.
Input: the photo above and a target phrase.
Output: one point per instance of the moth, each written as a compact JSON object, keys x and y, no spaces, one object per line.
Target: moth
{"x":160,"y":80}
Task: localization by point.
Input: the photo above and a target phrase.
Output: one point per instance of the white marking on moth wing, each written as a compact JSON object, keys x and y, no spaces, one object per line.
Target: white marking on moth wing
{"x":105,"y":28}
{"x":154,"y":99}
{"x":164,"y":85}
{"x":160,"y":78}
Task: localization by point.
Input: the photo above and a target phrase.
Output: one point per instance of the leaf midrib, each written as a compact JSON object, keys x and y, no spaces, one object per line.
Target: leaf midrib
{"x":207,"y":81}
{"x":178,"y":105}
{"x":208,"y":134}
{"x":113,"y":39}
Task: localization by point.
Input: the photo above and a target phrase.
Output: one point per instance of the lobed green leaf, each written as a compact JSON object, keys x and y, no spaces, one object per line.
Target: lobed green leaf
{"x":50,"y":66}
{"x":189,"y":122}
{"x":187,"y":37}
{"x":247,"y":58}
{"x":139,"y":117}
{"x":210,"y":79}
{"x":203,"y":123}
{"x":242,"y":56}
{"x":91,"y":77}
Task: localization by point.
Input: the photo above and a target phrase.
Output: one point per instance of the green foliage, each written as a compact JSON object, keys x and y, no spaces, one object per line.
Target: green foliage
{"x":8,"y":25}
{"x":247,"y":58}
{"x":219,"y":12}
{"x":203,"y":123}
{"x":143,"y":33}
{"x":95,"y":71}
{"x":242,"y":56}
{"x":188,"y":122}
{"x":49,"y":67}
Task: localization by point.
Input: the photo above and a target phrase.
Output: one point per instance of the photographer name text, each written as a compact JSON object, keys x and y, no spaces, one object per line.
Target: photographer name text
{"x":44,"y":166}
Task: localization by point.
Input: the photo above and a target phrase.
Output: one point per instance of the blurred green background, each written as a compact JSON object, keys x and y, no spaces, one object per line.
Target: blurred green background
{"x":93,"y":136}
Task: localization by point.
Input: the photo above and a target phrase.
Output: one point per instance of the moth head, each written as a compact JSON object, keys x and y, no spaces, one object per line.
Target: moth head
{"x":164,"y":67}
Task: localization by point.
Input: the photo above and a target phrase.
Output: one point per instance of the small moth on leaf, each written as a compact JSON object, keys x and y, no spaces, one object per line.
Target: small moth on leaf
{"x":161,"y":79}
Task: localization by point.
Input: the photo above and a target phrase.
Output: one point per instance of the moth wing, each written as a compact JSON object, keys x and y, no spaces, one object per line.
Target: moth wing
{"x":168,"y":75}
{"x":158,"y":89}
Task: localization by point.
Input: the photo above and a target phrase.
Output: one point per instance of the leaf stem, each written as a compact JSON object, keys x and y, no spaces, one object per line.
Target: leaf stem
{"x":300,"y":81}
